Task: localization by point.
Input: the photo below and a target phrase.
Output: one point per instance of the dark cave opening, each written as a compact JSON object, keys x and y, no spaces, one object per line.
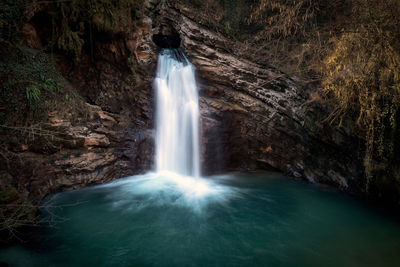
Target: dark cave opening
{"x":167,"y":41}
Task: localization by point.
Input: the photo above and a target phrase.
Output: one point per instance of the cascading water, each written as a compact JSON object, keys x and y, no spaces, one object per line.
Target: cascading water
{"x":176,"y":218}
{"x":177,"y":126}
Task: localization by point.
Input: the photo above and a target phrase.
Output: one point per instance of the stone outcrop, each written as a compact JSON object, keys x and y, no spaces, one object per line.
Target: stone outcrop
{"x":112,"y":135}
{"x":68,"y":156}
{"x":252,"y":115}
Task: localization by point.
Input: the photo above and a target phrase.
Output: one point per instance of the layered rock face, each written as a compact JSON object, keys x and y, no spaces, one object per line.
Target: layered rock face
{"x":256,"y":117}
{"x":252,"y":115}
{"x":113,"y":136}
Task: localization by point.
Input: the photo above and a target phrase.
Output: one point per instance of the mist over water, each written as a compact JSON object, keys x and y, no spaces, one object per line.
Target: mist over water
{"x":177,"y":138}
{"x":175,"y":217}
{"x":247,"y":220}
{"x":165,"y":188}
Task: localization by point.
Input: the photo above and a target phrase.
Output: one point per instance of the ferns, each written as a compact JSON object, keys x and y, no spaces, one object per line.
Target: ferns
{"x":32,"y":94}
{"x":31,"y":86}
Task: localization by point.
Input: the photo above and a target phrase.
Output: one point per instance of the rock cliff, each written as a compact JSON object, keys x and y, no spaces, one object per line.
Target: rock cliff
{"x":253,"y":116}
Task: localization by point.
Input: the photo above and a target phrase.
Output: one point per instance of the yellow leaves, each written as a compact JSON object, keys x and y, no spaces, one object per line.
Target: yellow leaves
{"x":362,"y":75}
{"x":285,"y":17}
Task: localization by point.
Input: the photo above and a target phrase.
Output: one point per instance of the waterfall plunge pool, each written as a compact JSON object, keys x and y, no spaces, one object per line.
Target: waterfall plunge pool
{"x":258,"y":219}
{"x":171,"y":219}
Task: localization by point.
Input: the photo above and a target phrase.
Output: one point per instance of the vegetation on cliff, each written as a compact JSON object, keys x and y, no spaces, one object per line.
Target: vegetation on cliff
{"x":352,"y":48}
{"x":349,"y":49}
{"x":78,"y":19}
{"x":361,"y":74}
{"x":36,"y":39}
{"x":32,"y":86}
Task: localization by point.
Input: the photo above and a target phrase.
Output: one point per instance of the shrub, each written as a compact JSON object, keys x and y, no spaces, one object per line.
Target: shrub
{"x":362,"y":75}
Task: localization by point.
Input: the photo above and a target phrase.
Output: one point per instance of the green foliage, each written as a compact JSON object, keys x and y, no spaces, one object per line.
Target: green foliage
{"x":227,"y":27}
{"x":30,"y":86}
{"x":33,"y":94}
{"x":50,"y":84}
{"x":33,"y":91}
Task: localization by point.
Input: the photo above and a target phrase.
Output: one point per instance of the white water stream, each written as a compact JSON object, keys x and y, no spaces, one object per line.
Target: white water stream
{"x":177,"y":122}
{"x":176,"y":180}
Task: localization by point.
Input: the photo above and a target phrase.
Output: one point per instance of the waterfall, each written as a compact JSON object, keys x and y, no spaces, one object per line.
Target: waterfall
{"x":177,"y":117}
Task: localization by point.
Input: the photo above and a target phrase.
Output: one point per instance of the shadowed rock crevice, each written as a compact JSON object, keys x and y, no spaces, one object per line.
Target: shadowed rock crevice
{"x":165,"y":34}
{"x":167,"y":41}
{"x":252,"y":116}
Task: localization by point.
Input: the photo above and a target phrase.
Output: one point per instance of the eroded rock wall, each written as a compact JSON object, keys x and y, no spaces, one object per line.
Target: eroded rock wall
{"x":112,"y":138}
{"x":252,"y":115}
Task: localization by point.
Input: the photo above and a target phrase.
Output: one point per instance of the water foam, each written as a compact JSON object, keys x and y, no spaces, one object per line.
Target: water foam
{"x":176,"y":180}
{"x":168,"y":189}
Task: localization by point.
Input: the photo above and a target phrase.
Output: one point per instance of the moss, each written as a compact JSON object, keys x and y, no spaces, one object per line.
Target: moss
{"x":32,"y":87}
{"x":77,"y":20}
{"x":29,"y":81}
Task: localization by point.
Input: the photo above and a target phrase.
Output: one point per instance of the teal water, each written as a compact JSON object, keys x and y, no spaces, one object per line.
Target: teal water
{"x":227,"y":220}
